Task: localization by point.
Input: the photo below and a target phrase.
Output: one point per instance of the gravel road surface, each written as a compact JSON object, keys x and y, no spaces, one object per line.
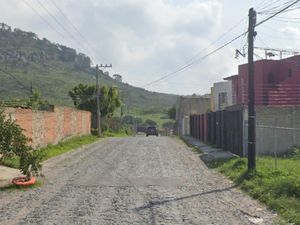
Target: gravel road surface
{"x":135,"y":180}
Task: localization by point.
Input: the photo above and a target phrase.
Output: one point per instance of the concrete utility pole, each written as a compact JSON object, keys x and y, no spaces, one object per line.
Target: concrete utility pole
{"x":251,"y":93}
{"x":98,"y":101}
{"x":98,"y":96}
{"x":122,"y":99}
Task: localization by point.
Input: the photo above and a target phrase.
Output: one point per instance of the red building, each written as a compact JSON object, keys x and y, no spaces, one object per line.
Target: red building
{"x":277,"y":82}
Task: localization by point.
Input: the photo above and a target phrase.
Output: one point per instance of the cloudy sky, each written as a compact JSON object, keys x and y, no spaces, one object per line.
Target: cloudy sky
{"x":147,"y":39}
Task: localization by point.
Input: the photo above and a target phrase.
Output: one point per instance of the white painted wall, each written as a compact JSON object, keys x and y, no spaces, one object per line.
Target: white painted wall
{"x":222,"y":87}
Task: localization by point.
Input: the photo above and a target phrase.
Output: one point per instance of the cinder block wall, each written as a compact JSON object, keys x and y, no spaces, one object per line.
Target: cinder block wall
{"x":186,"y":106}
{"x":277,"y":129}
{"x":50,"y":127}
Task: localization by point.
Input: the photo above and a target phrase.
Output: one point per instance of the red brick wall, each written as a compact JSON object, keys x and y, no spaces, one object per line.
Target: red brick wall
{"x":50,"y":127}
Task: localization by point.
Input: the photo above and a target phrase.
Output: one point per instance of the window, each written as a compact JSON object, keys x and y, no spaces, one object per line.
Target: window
{"x":222,"y":100}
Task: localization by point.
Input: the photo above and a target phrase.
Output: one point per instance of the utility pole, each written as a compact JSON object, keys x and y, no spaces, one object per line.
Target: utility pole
{"x":31,"y":88}
{"x":98,"y":101}
{"x":98,"y":97}
{"x":122,"y":99}
{"x":251,"y":93}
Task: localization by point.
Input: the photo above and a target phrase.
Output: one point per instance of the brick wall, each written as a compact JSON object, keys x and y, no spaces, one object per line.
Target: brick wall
{"x":50,"y":127}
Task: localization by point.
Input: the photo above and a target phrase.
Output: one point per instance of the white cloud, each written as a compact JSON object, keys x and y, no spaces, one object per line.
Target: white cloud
{"x":143,"y":39}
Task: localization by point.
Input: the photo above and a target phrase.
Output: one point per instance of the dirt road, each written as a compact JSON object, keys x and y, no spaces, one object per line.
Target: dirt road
{"x":136,"y":180}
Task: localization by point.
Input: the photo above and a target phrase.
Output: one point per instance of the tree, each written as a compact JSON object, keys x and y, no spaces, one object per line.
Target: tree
{"x":84,"y":97}
{"x":14,"y":143}
{"x":128,"y":119}
{"x":150,"y":122}
{"x":12,"y":139}
{"x":172,"y":113}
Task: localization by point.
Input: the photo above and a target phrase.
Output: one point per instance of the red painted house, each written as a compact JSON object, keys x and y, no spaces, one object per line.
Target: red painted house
{"x":277,"y":82}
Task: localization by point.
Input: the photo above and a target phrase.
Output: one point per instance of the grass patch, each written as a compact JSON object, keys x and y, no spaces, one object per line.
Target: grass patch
{"x":66,"y":146}
{"x":278,"y":189}
{"x":159,"y":118}
{"x":13,"y":187}
{"x":55,"y":150}
{"x":112,"y":134}
{"x":12,"y":162}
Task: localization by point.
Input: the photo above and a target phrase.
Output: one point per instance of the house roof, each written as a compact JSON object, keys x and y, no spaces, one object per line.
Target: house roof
{"x":230,"y":77}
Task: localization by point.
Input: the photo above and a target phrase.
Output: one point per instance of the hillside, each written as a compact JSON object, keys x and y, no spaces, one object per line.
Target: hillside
{"x":53,"y":69}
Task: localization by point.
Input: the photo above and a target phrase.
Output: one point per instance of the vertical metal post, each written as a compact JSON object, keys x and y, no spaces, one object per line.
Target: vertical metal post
{"x":251,"y":93}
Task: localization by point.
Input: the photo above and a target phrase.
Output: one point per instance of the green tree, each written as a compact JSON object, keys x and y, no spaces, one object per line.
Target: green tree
{"x":12,"y":140}
{"x":36,"y":101}
{"x":150,"y":122}
{"x":128,"y":119}
{"x":84,"y":97}
{"x":14,"y":143}
{"x":172,"y":113}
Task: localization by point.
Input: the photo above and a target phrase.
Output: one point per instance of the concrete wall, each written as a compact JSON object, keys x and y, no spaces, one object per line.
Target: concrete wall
{"x":50,"y":127}
{"x":277,"y":129}
{"x":218,"y":88}
{"x":186,"y":106}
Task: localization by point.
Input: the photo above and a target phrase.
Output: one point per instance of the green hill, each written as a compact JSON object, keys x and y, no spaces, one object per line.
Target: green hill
{"x":53,"y":69}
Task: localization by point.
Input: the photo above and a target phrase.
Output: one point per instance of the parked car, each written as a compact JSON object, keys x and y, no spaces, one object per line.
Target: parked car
{"x":151,"y":131}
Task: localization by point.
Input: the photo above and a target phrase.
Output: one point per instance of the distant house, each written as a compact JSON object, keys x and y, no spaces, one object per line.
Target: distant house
{"x":189,"y":105}
{"x":221,"y":95}
{"x":277,"y":82}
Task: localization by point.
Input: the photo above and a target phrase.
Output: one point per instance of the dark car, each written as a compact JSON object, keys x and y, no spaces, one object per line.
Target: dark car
{"x":151,"y":131}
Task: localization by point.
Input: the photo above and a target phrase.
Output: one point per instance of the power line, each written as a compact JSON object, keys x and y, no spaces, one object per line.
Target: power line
{"x":61,"y":25}
{"x":275,"y":14}
{"x":56,"y":20}
{"x":191,"y":61}
{"x":16,"y":80}
{"x":287,"y":7}
{"x":73,"y":26}
{"x":46,"y":21}
{"x":197,"y":60}
{"x":215,"y":41}
{"x":64,"y":15}
{"x":51,"y":26}
{"x":221,"y":47}
{"x":274,"y":7}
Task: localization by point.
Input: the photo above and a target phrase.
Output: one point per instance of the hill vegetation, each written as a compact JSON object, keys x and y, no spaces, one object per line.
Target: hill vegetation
{"x":27,"y":62}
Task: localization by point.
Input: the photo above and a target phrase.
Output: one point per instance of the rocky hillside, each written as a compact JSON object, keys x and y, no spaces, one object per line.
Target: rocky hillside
{"x":53,"y":69}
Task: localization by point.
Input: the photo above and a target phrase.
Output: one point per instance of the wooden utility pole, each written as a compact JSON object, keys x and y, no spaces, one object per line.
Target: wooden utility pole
{"x":251,"y":93}
{"x":98,"y":101}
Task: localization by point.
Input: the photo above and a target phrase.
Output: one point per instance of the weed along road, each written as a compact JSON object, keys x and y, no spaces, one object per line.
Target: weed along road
{"x":134,"y":180}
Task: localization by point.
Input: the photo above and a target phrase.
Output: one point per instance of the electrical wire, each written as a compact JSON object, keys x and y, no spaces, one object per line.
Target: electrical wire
{"x":58,"y":22}
{"x":75,"y":28}
{"x":276,"y":13}
{"x":195,"y":61}
{"x":287,"y":6}
{"x":46,"y":21}
{"x":16,"y":80}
